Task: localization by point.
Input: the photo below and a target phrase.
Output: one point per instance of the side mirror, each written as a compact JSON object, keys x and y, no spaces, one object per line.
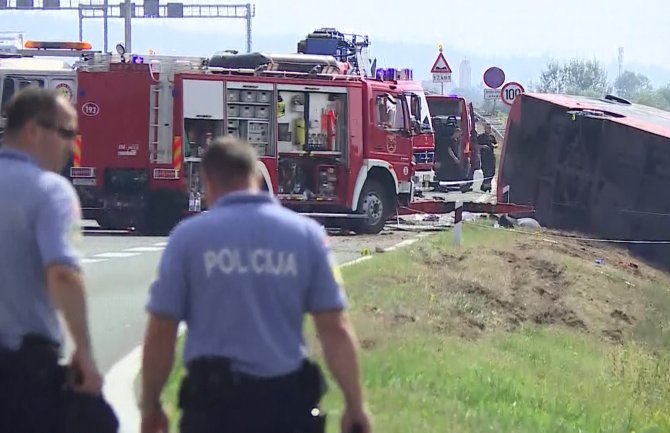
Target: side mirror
{"x":415,"y":125}
{"x":426,"y":128}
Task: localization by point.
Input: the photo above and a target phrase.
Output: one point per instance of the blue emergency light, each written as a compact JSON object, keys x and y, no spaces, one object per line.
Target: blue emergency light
{"x":393,"y":74}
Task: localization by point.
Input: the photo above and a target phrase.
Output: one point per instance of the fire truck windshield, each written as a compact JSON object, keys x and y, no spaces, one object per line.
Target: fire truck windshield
{"x":447,"y":107}
{"x":11,"y":85}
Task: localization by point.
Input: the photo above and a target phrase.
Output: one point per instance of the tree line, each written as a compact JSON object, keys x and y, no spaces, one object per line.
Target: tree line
{"x":589,"y":78}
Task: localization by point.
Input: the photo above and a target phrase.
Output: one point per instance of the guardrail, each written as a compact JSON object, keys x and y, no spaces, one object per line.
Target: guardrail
{"x":497,"y":127}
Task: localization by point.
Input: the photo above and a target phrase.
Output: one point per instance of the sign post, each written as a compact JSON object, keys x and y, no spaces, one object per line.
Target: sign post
{"x":494,"y":77}
{"x":510,"y":91}
{"x":441,"y":70}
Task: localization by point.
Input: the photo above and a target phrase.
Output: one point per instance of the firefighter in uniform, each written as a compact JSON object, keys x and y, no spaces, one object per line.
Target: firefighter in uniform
{"x":487,"y":142}
{"x":241,"y":277}
{"x":39,"y":265}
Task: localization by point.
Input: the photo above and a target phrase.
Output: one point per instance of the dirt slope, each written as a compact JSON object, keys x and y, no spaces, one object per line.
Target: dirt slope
{"x":500,"y":280}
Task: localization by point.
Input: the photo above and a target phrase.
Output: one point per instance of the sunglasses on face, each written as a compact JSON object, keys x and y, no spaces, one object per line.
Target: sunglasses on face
{"x":64,"y":133}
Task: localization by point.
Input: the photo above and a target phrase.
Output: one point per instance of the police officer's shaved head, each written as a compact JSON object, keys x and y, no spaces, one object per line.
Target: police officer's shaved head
{"x":43,"y":123}
{"x":230,"y":164}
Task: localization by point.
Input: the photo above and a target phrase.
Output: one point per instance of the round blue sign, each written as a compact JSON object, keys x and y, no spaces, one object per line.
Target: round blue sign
{"x":494,"y":77}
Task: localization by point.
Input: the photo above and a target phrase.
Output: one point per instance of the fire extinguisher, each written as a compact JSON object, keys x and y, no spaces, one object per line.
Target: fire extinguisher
{"x":328,"y":122}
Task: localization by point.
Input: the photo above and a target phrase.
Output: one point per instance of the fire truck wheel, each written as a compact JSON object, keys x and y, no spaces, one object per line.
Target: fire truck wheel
{"x":375,"y":205}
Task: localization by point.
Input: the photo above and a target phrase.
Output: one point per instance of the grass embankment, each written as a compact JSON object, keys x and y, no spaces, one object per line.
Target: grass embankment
{"x":509,"y":333}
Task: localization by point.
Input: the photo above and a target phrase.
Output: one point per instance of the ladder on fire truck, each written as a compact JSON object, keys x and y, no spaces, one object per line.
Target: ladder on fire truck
{"x":162,"y":70}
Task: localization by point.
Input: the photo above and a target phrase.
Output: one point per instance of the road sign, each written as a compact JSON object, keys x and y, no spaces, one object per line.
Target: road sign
{"x":441,"y":78}
{"x":441,"y":66}
{"x":441,"y":70}
{"x":494,"y":77}
{"x":510,"y":91}
{"x":491,"y":94}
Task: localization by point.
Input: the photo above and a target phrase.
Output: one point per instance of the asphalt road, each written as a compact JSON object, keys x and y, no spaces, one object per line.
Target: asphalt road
{"x":119,"y":269}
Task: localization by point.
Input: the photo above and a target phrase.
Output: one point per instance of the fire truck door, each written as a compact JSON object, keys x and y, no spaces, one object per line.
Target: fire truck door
{"x":391,"y":137}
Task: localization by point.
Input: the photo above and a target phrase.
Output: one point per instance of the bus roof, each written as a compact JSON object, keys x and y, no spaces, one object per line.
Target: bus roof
{"x":615,"y":109}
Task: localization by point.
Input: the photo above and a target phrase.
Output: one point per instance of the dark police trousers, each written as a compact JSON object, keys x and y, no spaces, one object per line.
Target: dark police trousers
{"x":34,"y":397}
{"x":214,"y":399}
{"x":488,"y":159}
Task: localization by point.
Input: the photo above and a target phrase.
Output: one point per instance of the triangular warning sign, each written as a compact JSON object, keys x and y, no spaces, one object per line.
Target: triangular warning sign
{"x":441,"y":66}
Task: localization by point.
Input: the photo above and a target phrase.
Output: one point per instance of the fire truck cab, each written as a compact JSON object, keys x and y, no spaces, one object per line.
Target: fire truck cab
{"x":37,"y":63}
{"x":22,"y":67}
{"x":333,"y":146}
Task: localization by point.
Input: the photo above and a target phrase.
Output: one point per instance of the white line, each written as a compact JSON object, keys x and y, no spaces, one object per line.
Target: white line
{"x":404,"y":243}
{"x":144,"y":249}
{"x":116,"y":255}
{"x":353,"y":262}
{"x":92,"y":260}
{"x":160,"y":244}
{"x":119,"y":389}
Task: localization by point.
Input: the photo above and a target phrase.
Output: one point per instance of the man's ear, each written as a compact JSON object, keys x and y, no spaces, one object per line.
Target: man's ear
{"x":258,"y":178}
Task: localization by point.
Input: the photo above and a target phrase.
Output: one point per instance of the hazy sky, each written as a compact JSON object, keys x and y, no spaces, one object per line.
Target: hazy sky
{"x":560,"y":29}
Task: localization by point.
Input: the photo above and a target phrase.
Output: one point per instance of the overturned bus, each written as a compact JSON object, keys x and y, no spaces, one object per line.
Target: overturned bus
{"x":596,"y":166}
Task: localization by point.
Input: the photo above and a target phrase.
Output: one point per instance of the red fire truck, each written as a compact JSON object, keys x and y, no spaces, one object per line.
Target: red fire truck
{"x":331,"y":145}
{"x":445,"y":108}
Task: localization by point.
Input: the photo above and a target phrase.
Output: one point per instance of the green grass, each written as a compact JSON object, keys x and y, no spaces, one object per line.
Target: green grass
{"x":412,"y":306}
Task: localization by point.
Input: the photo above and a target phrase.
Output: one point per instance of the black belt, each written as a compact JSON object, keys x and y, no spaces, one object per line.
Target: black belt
{"x":218,"y":369}
{"x":214,"y":378}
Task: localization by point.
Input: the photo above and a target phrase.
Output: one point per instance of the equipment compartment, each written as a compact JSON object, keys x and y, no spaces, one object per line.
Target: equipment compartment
{"x":249,"y":116}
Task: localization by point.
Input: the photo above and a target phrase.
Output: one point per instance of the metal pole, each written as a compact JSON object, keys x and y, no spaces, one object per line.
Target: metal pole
{"x":104,"y":20}
{"x":81,"y":22}
{"x":248,"y":27}
{"x":457,"y":238}
{"x":126,"y":20}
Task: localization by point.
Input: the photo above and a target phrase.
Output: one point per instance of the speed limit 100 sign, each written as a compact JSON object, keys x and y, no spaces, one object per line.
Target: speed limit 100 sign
{"x":510,"y":91}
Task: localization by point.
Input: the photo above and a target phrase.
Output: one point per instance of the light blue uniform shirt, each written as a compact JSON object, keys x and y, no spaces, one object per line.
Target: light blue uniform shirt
{"x":242,"y":276}
{"x":40,"y":224}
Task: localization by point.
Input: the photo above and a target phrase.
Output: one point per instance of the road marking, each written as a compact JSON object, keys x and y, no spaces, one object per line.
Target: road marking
{"x":404,"y":243}
{"x":144,"y":249}
{"x":92,"y":260}
{"x":161,"y":244}
{"x":119,"y":388}
{"x":353,"y":262}
{"x":116,"y":255}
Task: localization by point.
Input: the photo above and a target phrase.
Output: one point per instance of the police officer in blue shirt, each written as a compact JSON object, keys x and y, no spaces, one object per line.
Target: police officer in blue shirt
{"x":40,"y":269}
{"x":242,"y":276}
